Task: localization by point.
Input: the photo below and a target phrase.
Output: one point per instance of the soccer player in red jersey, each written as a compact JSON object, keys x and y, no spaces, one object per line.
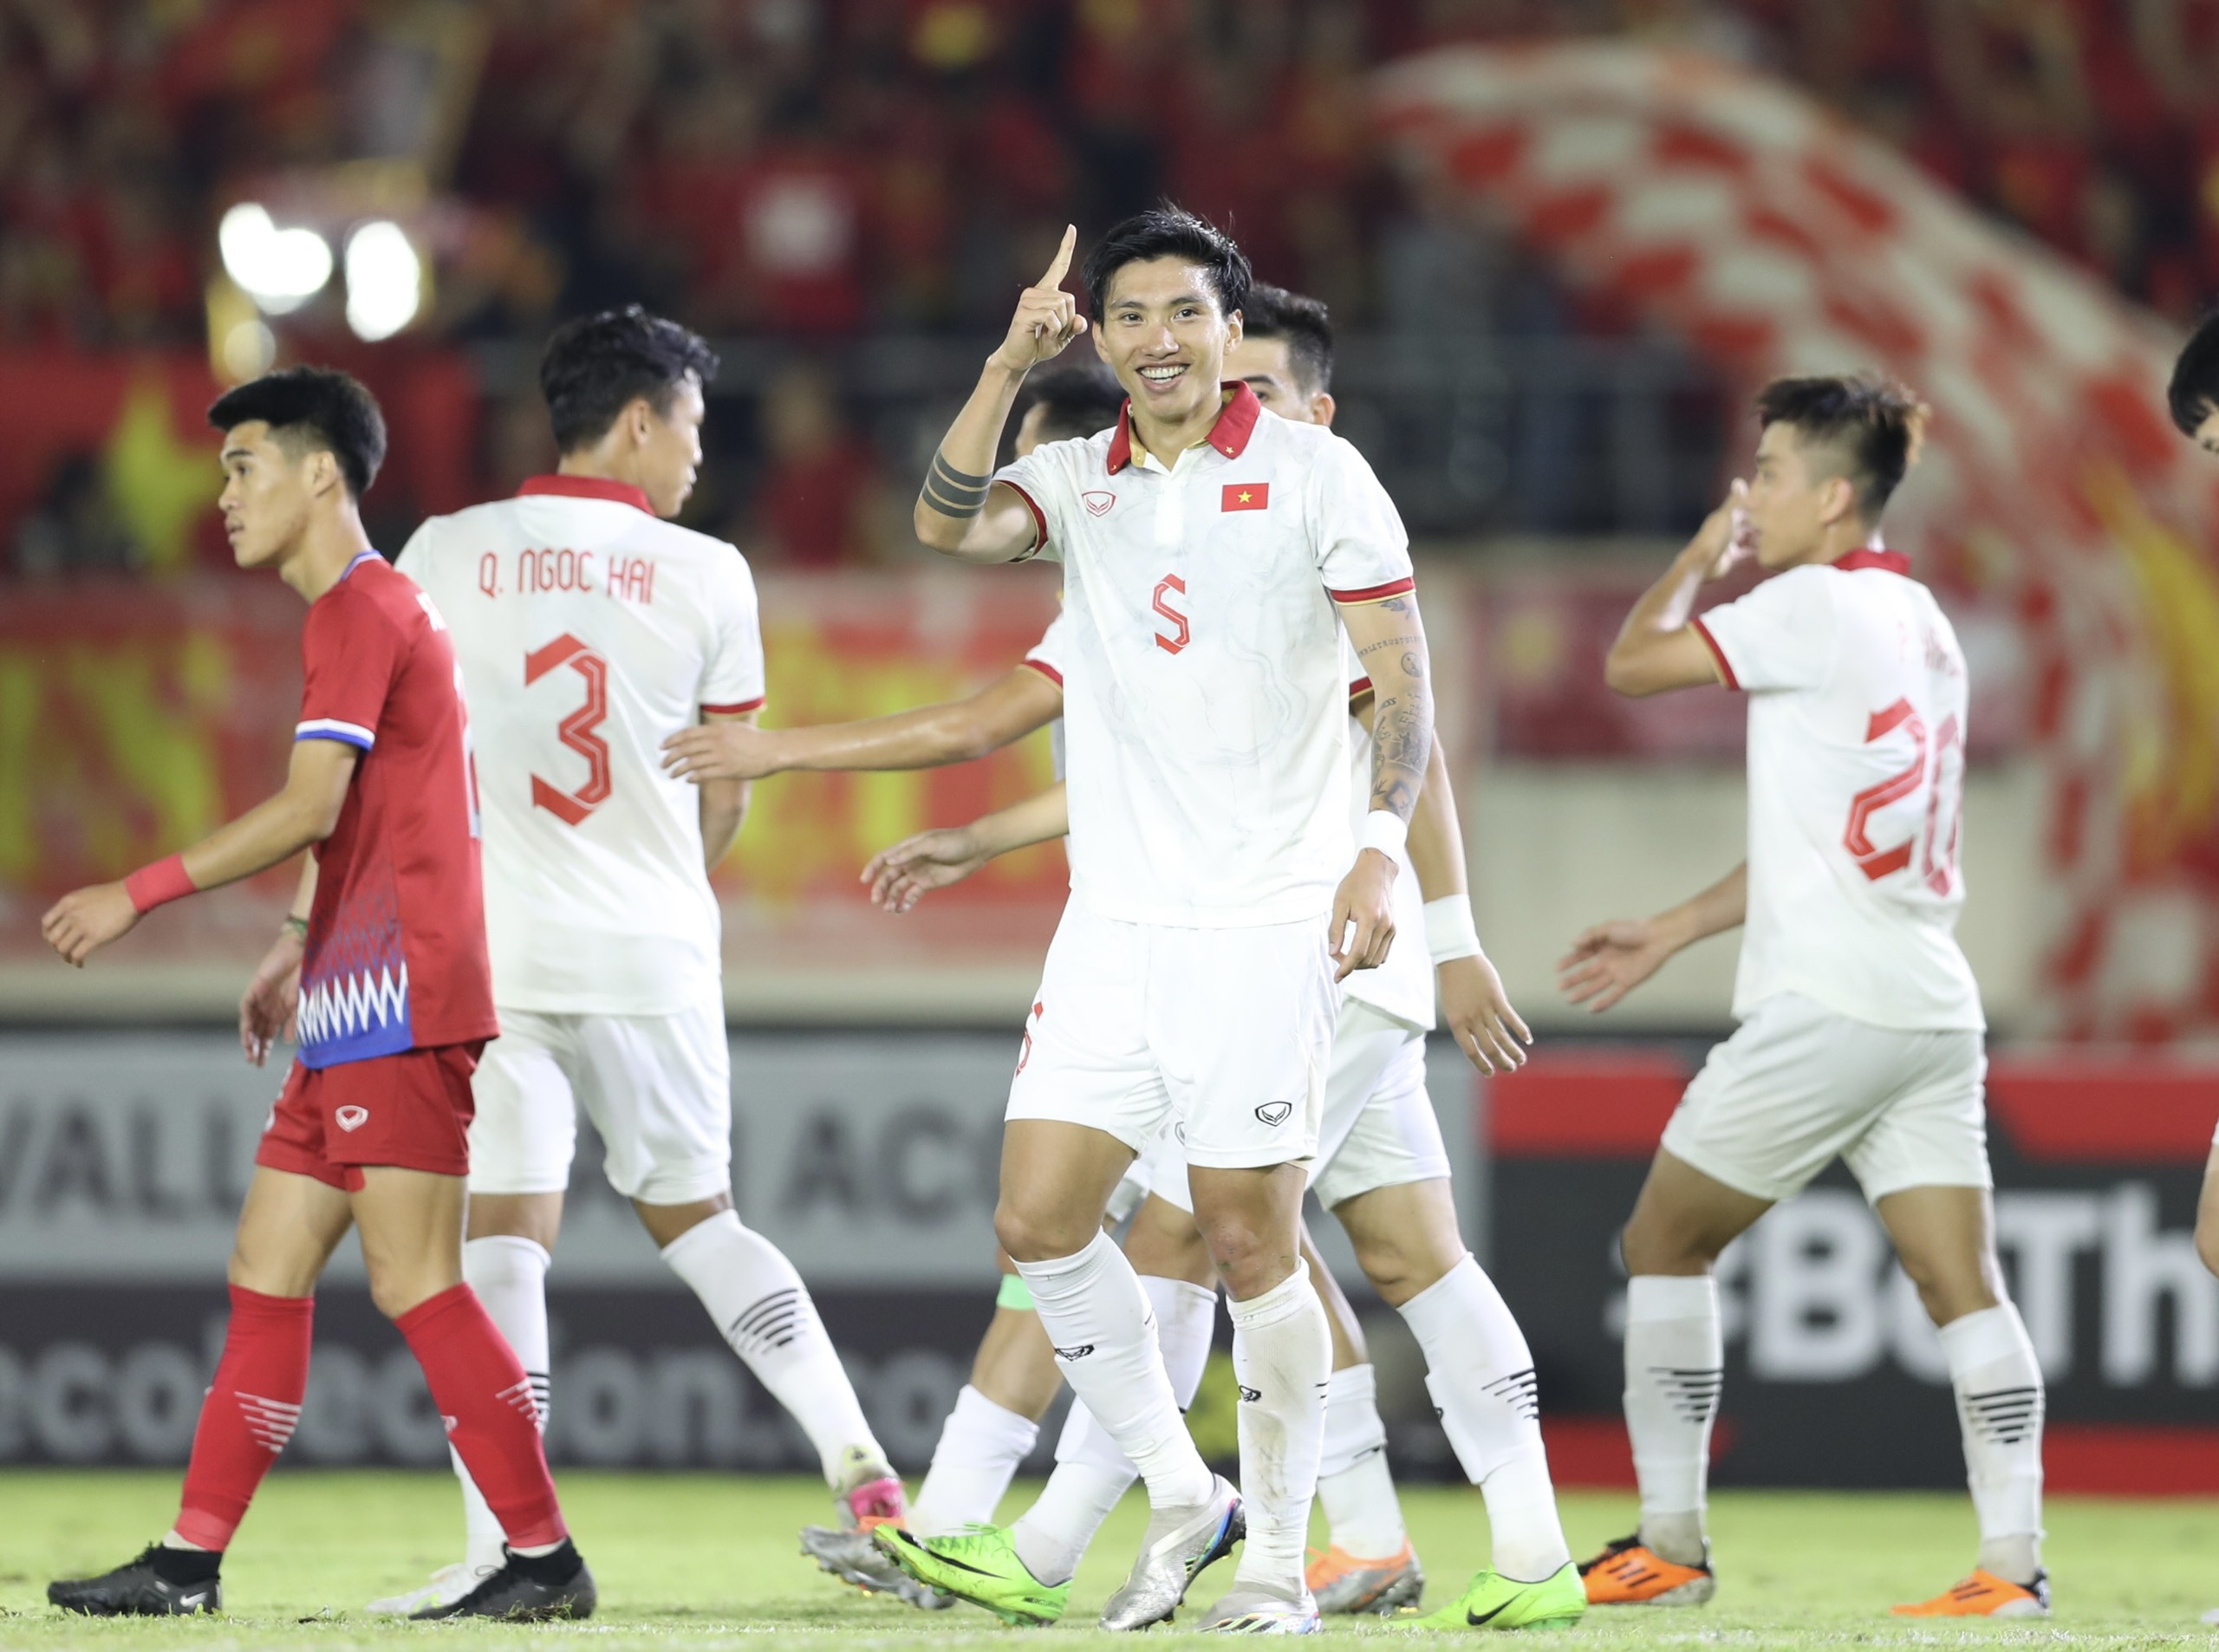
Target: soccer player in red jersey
{"x":386,"y":976}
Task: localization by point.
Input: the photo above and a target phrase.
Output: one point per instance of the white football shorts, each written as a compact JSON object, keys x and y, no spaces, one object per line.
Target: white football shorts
{"x":1379,"y":1129}
{"x":1798,"y":1084}
{"x":1226,"y":1031}
{"x":658,"y":1088}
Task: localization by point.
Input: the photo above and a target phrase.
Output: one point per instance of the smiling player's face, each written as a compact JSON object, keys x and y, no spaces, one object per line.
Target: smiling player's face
{"x":1164,"y":336}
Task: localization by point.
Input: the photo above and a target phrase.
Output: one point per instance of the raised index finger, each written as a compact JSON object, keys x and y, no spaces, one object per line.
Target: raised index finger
{"x":1060,"y":265}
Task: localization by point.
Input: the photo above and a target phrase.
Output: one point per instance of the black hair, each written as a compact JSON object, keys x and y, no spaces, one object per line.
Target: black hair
{"x":1080,"y":400}
{"x":310,"y":409}
{"x":2194,"y":393}
{"x":1166,"y":230}
{"x":595,"y":365}
{"x":1273,"y":312}
{"x":1877,"y":424}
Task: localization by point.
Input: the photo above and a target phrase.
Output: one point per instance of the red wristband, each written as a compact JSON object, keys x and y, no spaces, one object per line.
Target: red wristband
{"x":164,"y":880}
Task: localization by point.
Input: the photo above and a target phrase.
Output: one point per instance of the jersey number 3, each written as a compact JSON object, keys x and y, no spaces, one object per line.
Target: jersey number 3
{"x":1932,"y":767}
{"x":577,"y":729}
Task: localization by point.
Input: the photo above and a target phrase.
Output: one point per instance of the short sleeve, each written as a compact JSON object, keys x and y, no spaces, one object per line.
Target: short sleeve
{"x":1035,"y":480}
{"x":350,"y":654}
{"x":1779,"y":636}
{"x":1051,"y":655}
{"x":1363,"y":553}
{"x":734,"y":682}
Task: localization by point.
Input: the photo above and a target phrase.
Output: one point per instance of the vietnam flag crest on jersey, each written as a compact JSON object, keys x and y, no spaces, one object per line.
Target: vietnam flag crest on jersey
{"x":1247,"y":496}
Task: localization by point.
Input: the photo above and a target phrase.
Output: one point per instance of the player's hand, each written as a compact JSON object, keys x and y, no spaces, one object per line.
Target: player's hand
{"x":721,"y":752}
{"x":1047,"y":317}
{"x":273,"y":997}
{"x":1610,"y":960}
{"x":1366,"y":901}
{"x":1478,"y":1012}
{"x":1726,"y":540}
{"x":903,"y":875}
{"x":84,"y":920}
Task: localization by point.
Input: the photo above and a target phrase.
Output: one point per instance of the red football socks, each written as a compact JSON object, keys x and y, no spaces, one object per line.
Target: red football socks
{"x":486,"y":1400}
{"x":249,"y":1414}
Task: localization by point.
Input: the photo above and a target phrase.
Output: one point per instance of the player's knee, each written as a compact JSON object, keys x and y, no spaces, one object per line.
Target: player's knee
{"x":1250,"y":1261}
{"x":1398,"y":1271}
{"x":1030,"y":1232}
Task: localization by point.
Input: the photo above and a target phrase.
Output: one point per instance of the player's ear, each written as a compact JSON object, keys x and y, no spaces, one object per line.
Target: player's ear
{"x":1101,"y":350}
{"x":1233,"y":322}
{"x":1837,"y":500}
{"x":1325,"y":407}
{"x":322,"y":466}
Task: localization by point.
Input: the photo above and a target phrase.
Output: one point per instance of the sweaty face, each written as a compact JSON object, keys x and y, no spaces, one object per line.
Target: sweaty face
{"x":1266,"y":366}
{"x":267,"y":493}
{"x":1792,"y":496}
{"x":1165,"y":336}
{"x":669,"y":455}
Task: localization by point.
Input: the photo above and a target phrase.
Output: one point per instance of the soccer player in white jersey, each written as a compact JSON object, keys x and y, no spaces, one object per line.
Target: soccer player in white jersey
{"x":1382,"y":1167}
{"x":1207,"y":547}
{"x":588,"y":627}
{"x":1860,"y":1023}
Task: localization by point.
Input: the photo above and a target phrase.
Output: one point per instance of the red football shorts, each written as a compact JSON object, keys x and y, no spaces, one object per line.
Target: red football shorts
{"x":411,"y":1111}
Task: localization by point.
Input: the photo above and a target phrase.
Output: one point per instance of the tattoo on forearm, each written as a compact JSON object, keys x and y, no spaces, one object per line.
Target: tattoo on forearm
{"x":952,"y":492}
{"x":1401,"y":739}
{"x":1388,"y":642}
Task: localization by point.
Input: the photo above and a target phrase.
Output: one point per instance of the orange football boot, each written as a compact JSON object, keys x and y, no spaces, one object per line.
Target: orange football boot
{"x":1628,"y":1574}
{"x":1986,"y":1595}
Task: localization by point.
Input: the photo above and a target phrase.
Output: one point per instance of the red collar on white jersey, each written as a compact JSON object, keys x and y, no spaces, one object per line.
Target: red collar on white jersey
{"x":1229,"y":435}
{"x":1891,"y":562}
{"x":588,"y":487}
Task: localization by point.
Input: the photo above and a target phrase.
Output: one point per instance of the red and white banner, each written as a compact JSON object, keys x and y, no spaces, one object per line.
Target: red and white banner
{"x":1740,"y":213}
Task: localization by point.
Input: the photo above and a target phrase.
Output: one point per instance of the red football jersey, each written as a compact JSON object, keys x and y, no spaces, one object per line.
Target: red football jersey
{"x":396,"y":947}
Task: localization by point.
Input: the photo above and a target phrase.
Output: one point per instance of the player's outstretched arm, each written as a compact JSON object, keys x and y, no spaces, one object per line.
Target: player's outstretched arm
{"x":903,"y":875}
{"x":1007,"y":709}
{"x":1389,"y":639}
{"x":275,"y":829}
{"x":1610,"y":960}
{"x":1657,"y":649}
{"x":961,"y":510}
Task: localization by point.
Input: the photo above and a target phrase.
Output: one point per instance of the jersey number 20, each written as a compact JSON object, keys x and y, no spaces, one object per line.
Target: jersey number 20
{"x":1932,"y":767}
{"x":577,"y":729}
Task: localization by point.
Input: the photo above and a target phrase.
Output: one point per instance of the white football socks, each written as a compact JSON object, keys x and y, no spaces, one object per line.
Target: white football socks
{"x":1675,"y":1358}
{"x":1479,"y":1372}
{"x":1091,"y":1473}
{"x":981,"y":1446}
{"x":509,"y":1273}
{"x":1363,"y":1515}
{"x":1097,"y":1317}
{"x":768,"y":1316}
{"x":1282,"y":1357}
{"x":2000,"y":1405}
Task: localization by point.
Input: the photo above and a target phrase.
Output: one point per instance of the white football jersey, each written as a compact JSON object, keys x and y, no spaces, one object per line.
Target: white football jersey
{"x":589,"y":630}
{"x":1204,"y":706}
{"x":1857,"y":785}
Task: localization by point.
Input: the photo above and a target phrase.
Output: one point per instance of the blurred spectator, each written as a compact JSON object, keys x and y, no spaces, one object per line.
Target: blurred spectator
{"x":74,"y":528}
{"x":816,"y":506}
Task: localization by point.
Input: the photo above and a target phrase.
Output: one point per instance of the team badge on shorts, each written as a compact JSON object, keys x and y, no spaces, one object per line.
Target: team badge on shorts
{"x":352,"y":1118}
{"x":1275,"y":1113}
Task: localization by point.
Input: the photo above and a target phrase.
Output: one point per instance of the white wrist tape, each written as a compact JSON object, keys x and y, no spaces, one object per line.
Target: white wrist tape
{"x":1385,"y":831}
{"x":1449,"y":931}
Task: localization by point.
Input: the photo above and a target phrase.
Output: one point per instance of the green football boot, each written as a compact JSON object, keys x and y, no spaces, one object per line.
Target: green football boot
{"x":1494,"y":1602}
{"x":981,"y":1566}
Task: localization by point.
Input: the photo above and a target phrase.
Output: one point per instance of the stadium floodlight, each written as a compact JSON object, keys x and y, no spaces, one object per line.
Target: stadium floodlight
{"x":385,"y":280}
{"x":282,"y":270}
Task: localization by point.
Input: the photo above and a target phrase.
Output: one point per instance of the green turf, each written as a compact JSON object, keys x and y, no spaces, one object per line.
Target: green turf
{"x":710,"y":1561}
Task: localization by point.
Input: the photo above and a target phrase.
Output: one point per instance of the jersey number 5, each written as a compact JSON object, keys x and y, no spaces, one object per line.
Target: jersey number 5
{"x":1932,"y":767}
{"x":577,"y":729}
{"x":1164,"y":587}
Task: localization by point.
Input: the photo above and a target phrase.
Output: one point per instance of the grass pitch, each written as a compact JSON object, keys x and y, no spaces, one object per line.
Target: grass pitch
{"x":709,"y":1561}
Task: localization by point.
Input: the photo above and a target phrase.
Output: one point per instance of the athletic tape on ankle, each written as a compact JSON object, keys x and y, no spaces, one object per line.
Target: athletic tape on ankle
{"x":1014,"y":1293}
